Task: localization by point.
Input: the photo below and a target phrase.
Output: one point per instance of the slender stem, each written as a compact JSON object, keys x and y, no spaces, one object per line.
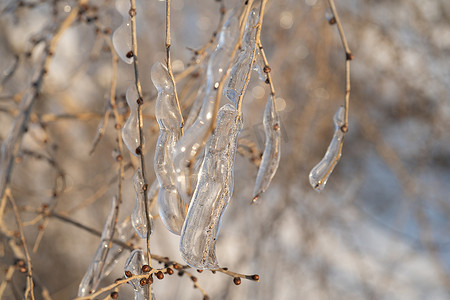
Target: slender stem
{"x":29,"y":292}
{"x":348,"y":58}
{"x":140,"y":150}
{"x":168,"y":62}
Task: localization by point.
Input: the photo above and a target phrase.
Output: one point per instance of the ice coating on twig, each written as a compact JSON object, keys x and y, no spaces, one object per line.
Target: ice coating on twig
{"x":134,"y":265}
{"x":122,"y":35}
{"x":258,"y":65}
{"x":212,"y":193}
{"x":125,"y":233}
{"x":138,"y":217}
{"x":191,"y":142}
{"x":244,"y":60}
{"x":96,"y":269}
{"x":197,"y":105}
{"x":172,"y":209}
{"x":130,"y":130}
{"x":321,"y":172}
{"x":271,"y":155}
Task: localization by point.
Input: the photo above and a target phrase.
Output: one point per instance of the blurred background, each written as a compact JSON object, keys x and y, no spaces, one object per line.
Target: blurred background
{"x":379,"y":230}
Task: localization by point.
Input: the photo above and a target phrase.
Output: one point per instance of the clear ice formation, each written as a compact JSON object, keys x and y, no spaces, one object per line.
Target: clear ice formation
{"x":96,"y":269}
{"x":139,"y":219}
{"x":125,"y":232}
{"x":321,"y":172}
{"x":130,"y":130}
{"x":172,"y":209}
{"x":212,"y":193}
{"x":190,"y":143}
{"x":258,"y":66}
{"x":271,"y":155}
{"x":242,"y":65}
{"x":134,"y":264}
{"x":122,"y":35}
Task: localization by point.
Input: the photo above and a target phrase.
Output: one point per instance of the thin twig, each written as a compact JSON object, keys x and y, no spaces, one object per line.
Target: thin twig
{"x":29,"y":292}
{"x":169,"y":64}
{"x":348,"y":58}
{"x":140,"y":150}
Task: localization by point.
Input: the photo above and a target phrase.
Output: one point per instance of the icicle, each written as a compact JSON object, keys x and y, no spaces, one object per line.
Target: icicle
{"x":125,"y":233}
{"x":197,"y":105}
{"x":138,"y":217}
{"x":96,"y":269}
{"x":321,"y":172}
{"x":243,"y":63}
{"x":190,"y":143}
{"x":213,"y":192}
{"x":122,"y":35}
{"x":130,"y":130}
{"x":271,"y":155}
{"x":134,"y":265}
{"x":258,"y":65}
{"x":172,"y":210}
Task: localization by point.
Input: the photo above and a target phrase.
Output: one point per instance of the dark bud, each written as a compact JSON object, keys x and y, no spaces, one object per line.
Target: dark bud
{"x":332,"y":21}
{"x":159,"y":275}
{"x":23,"y":269}
{"x":107,"y":31}
{"x":129,"y":54}
{"x":132,"y":12}
{"x":128,"y":274}
{"x":146,"y":268}
{"x":267,"y":81}
{"x":237,"y":280}
{"x":143,"y":281}
{"x":267,"y":69}
{"x":348,"y":56}
{"x":199,"y":271}
{"x":138,"y":151}
{"x":181,"y":273}
{"x":178,"y":267}
{"x":140,"y":101}
{"x":169,"y":271}
{"x":255,"y":277}
{"x":19,"y":262}
{"x":114,"y":295}
{"x":150,"y":279}
{"x":206,"y":297}
{"x":344,"y":128}
{"x":225,"y":269}
{"x":194,"y":279}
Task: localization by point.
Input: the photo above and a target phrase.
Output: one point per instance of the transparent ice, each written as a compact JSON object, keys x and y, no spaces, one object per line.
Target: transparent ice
{"x":130,"y":130}
{"x":190,"y":143}
{"x":122,"y":35}
{"x":243,"y":63}
{"x":134,"y":264}
{"x":138,"y":216}
{"x":271,"y":155}
{"x":321,"y":172}
{"x":96,"y":269}
{"x":212,"y":193}
{"x":172,"y":209}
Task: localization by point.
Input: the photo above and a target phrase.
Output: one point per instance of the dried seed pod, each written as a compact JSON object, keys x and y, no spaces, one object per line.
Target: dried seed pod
{"x":271,"y":155}
{"x":321,"y":172}
{"x":212,"y":193}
